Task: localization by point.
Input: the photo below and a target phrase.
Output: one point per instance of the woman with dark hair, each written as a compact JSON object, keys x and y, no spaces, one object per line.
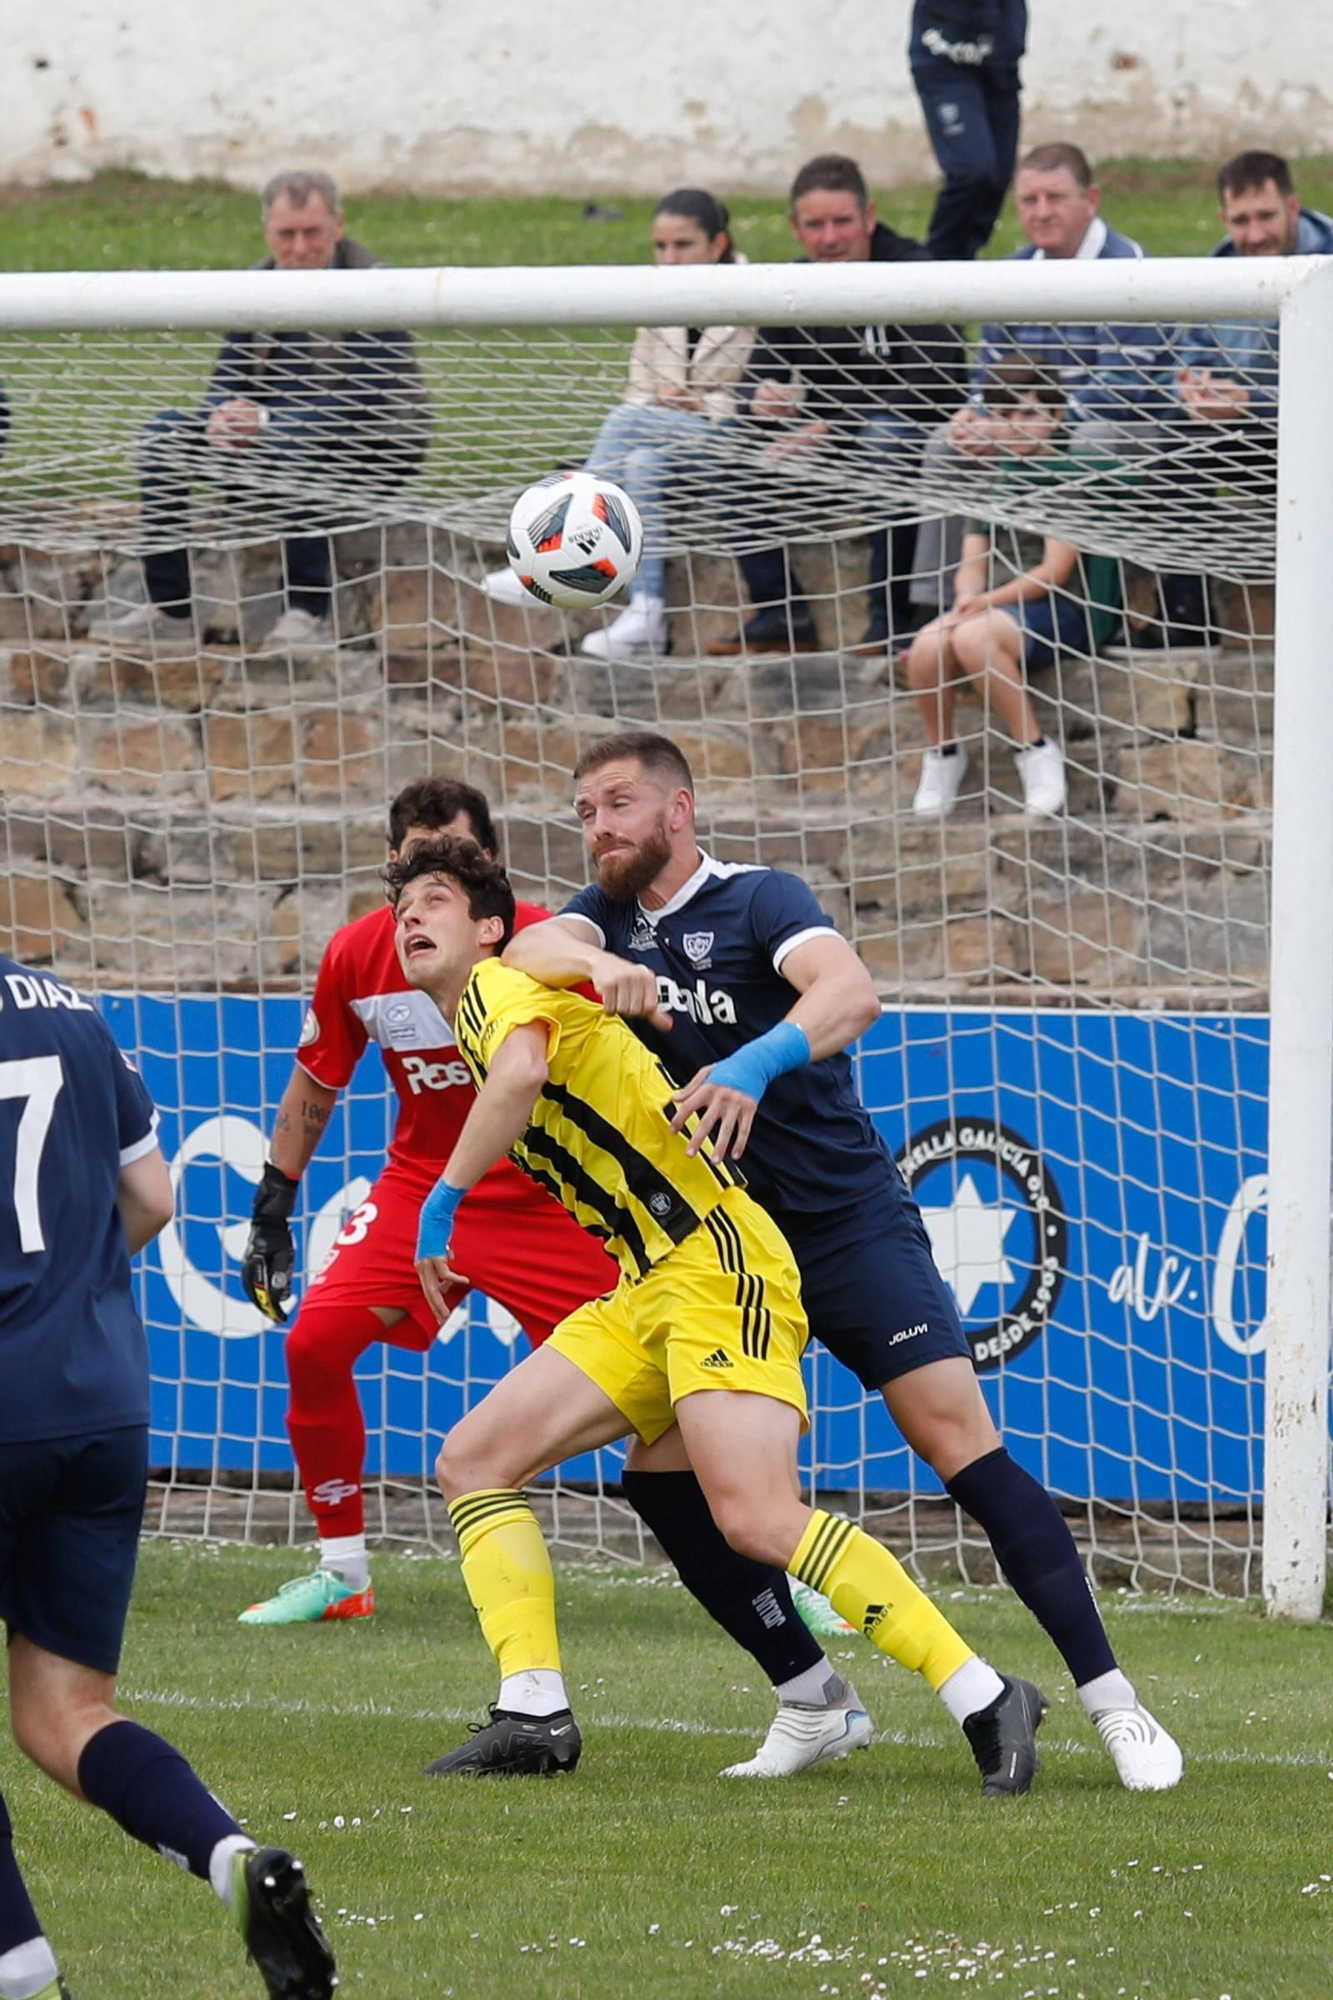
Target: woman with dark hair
{"x":682,"y":382}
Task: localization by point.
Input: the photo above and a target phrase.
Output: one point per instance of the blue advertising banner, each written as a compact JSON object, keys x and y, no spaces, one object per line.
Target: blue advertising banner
{"x":1093,"y":1185}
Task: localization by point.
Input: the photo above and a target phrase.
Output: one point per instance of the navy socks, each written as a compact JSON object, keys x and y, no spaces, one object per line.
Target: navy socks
{"x":148,"y":1789}
{"x":1035,"y":1549}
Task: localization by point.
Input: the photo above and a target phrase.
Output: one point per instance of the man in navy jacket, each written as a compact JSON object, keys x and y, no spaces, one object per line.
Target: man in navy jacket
{"x":849,"y":406}
{"x":964,"y":56}
{"x":289,"y":423}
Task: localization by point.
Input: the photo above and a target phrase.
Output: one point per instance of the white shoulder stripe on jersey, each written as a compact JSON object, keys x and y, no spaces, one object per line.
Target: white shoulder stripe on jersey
{"x":802,"y":937}
{"x":578,"y":917}
{"x":409,"y":1020}
{"x":141,"y":1147}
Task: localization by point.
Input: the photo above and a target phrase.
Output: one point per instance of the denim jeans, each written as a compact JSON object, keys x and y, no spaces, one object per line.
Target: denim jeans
{"x":644,"y":448}
{"x":174,"y":455}
{"x":882,"y":439}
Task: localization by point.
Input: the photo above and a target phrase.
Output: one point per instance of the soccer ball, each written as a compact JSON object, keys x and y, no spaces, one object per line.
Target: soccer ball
{"x":574,"y":540}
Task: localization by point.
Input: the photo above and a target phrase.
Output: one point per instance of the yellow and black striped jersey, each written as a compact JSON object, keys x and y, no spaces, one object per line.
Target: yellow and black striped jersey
{"x":600,"y":1137}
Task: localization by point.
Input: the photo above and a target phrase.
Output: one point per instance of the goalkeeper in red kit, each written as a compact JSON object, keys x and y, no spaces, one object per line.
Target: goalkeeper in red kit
{"x":513,"y":1241}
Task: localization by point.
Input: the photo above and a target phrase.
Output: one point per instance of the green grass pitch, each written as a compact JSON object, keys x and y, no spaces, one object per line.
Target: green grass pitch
{"x":646,"y":1874}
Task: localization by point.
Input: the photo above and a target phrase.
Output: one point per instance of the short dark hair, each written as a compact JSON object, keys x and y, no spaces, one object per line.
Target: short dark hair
{"x":1009,"y":382}
{"x":657,"y":754}
{"x":1059,"y":153}
{"x":697,"y":205}
{"x":1247,"y":171}
{"x":481,"y":879}
{"x":834,"y":173}
{"x":435,"y":803}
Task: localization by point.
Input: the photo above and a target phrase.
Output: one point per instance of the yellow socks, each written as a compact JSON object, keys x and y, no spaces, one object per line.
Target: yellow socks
{"x":508,"y":1575}
{"x":872,"y":1591}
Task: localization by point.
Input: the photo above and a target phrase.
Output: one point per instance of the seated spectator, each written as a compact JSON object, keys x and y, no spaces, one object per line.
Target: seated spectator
{"x":682,"y":384}
{"x":286,"y":416}
{"x":1012,"y":613}
{"x":1115,"y":375}
{"x":1221,"y":425}
{"x":1228,"y":372}
{"x":809,"y":390}
{"x":964,"y":57}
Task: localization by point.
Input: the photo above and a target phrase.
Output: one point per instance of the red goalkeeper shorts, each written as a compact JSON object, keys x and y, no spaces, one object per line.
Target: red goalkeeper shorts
{"x":514,"y":1243}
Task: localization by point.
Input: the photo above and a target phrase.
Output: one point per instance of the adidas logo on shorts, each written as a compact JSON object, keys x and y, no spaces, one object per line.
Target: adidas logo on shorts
{"x":717,"y":1359}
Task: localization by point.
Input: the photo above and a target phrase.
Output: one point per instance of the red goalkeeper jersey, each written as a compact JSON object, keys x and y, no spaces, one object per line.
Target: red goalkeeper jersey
{"x":363,"y":995}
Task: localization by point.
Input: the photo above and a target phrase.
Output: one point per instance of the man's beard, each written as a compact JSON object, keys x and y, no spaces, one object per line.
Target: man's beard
{"x":628,"y":874}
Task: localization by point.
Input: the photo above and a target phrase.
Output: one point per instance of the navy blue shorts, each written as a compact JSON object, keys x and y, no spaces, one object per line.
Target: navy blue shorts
{"x":70,"y":1513}
{"x":1050,"y":625}
{"x":872,"y":1292}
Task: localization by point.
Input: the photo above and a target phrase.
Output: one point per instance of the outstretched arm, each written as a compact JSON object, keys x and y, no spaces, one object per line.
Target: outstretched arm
{"x":563,"y":952}
{"x":497,"y":1119}
{"x":837,"y":1002}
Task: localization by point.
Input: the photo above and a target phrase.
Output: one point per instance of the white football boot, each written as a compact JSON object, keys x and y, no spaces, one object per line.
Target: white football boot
{"x":801,"y":1737}
{"x":1146,"y":1758}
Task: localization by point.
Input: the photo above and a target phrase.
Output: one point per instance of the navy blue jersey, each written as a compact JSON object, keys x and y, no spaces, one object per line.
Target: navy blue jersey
{"x":73,"y":1355}
{"x":718,"y":948}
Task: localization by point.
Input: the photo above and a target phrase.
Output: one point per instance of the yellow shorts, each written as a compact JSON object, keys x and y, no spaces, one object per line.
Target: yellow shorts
{"x":722,"y":1310}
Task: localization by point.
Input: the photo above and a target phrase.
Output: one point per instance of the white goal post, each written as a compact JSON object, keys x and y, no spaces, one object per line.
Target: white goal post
{"x":1297,"y":291}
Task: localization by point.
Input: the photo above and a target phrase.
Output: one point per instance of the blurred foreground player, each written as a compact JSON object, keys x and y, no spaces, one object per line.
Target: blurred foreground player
{"x":82,"y":1186}
{"x":704,"y":1330}
{"x":513,"y":1242}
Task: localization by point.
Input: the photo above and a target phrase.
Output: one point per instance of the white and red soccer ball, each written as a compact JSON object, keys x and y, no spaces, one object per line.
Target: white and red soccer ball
{"x":574,"y":540}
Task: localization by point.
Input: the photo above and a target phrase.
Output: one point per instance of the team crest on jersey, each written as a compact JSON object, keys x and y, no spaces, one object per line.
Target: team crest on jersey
{"x":997,"y":1226}
{"x":699,"y":948}
{"x":309,"y":1029}
{"x":643,"y":937}
{"x":659,"y":1205}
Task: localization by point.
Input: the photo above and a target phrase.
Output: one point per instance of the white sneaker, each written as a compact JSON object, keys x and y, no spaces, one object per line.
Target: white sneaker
{"x":299,"y":629}
{"x":1041,"y":772}
{"x":147,"y":627}
{"x":938,"y":786}
{"x":640,"y":633}
{"x":1145,"y":1757}
{"x":503,"y":587}
{"x":801,"y":1737}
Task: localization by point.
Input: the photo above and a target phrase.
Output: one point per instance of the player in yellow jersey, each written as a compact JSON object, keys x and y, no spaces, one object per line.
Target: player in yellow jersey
{"x":705,"y":1329}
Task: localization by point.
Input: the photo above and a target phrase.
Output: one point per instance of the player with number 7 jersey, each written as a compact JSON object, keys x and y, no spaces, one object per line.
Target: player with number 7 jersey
{"x":514,"y":1243}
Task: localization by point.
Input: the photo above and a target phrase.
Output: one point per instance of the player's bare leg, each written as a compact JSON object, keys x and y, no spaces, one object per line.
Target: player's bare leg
{"x":820,"y":1717}
{"x":743,"y":1449}
{"x":943,"y":1416}
{"x":544,"y":1411}
{"x":64,"y":1718}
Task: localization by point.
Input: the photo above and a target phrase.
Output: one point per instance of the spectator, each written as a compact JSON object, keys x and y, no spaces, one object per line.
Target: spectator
{"x":286,"y":417}
{"x":964,"y":56}
{"x":1011,"y":614}
{"x":809,"y":390}
{"x":1114,"y":375}
{"x":1228,"y":372}
{"x":682,"y":384}
{"x":1222,"y":421}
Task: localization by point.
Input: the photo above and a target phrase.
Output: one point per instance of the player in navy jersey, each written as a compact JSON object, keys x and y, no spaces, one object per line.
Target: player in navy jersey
{"x":764,"y":996}
{"x":83,"y":1185}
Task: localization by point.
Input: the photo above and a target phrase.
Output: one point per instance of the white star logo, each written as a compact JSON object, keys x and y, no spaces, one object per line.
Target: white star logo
{"x":967,"y":1238}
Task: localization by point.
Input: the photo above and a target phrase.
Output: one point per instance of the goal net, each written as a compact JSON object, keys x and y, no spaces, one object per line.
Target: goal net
{"x":1087,"y":1010}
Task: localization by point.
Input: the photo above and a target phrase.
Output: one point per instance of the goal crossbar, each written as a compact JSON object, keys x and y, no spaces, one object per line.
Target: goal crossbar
{"x":1140,"y":289}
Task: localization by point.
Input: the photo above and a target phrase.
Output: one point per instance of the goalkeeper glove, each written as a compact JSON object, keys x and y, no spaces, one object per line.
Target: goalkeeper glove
{"x":270,"y":1254}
